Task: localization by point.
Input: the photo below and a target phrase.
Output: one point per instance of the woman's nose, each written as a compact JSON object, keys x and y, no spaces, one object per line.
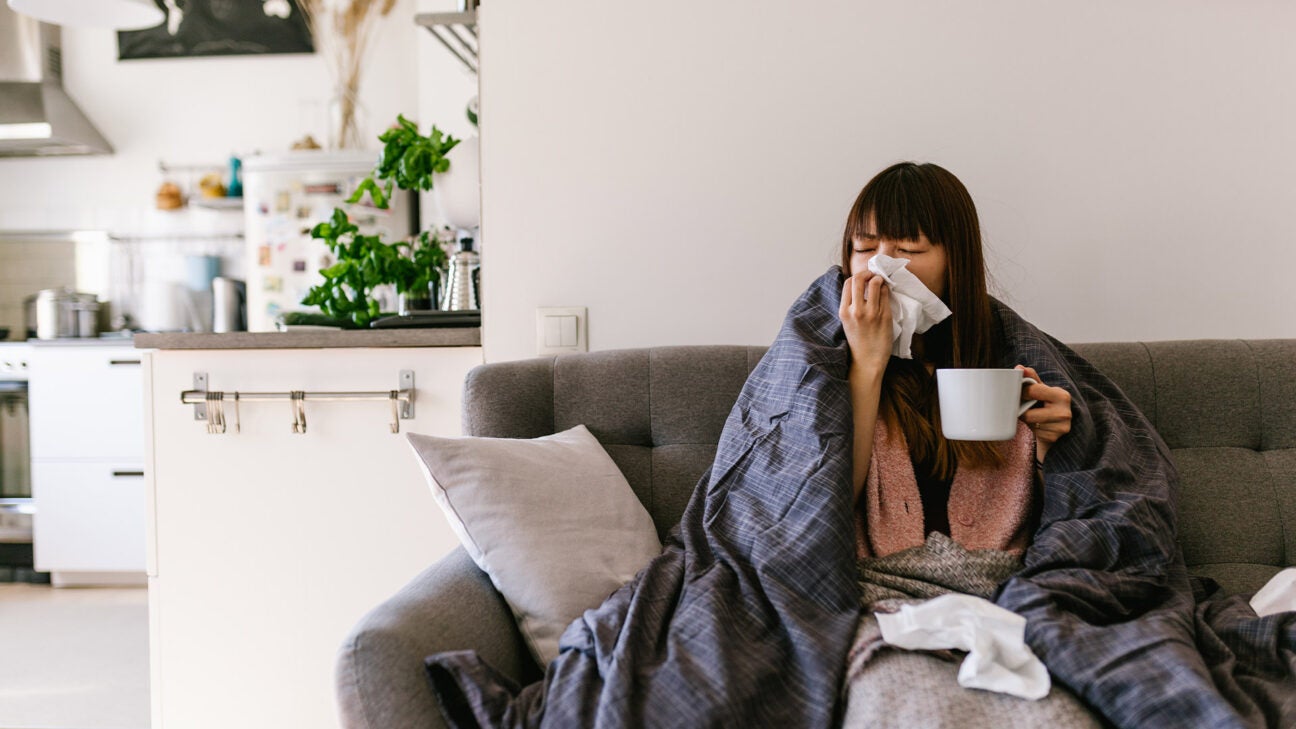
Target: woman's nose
{"x":886,"y":248}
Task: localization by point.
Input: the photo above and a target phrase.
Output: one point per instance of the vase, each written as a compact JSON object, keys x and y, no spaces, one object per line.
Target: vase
{"x":410,"y":302}
{"x":346,"y":118}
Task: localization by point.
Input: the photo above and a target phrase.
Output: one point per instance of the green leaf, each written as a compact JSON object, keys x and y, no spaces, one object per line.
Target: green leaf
{"x":336,"y":269}
{"x":408,"y":161}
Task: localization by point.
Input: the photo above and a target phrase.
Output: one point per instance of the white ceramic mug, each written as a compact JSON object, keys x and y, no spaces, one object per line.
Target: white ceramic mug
{"x":977,"y":404}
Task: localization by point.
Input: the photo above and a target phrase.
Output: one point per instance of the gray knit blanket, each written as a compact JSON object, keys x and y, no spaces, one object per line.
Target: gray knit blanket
{"x":891,"y":687}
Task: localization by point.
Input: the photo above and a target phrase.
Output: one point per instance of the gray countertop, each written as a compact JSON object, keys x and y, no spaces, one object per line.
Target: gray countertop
{"x":122,"y":341}
{"x":315,"y":339}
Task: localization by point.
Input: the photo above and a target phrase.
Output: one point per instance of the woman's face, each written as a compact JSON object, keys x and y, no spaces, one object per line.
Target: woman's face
{"x":927,"y":261}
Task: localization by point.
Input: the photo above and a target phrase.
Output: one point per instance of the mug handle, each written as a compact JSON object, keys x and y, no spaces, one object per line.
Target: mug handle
{"x":1029,"y":403}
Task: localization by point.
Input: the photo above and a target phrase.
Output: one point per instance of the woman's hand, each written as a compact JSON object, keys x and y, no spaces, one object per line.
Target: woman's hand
{"x":1051,"y":419}
{"x":865,"y":314}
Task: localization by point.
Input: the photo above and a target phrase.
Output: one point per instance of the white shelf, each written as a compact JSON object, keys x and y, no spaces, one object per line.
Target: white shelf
{"x":456,"y":31}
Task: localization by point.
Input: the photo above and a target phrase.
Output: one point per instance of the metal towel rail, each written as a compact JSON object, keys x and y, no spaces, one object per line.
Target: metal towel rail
{"x":209,"y":405}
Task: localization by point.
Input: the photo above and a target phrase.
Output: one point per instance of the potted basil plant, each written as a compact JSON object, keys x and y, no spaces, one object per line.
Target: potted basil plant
{"x":365,"y":262}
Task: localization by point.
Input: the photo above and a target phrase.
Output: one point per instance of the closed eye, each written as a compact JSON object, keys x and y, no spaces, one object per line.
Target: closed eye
{"x":864,"y":250}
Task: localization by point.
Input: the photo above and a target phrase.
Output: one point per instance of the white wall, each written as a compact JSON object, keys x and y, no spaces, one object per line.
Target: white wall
{"x":194,"y":111}
{"x":444,"y":87}
{"x":684,"y":169}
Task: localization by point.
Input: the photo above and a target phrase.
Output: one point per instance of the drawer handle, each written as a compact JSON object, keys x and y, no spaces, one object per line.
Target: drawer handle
{"x":128,"y":474}
{"x":123,"y":361}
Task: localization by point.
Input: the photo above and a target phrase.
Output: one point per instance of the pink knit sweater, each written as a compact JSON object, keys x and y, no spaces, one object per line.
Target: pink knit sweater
{"x":989,"y":508}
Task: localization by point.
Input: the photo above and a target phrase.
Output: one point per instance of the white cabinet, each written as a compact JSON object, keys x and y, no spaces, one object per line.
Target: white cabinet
{"x":87,"y":448}
{"x":90,"y":517}
{"x":265,"y":545}
{"x":87,"y":402}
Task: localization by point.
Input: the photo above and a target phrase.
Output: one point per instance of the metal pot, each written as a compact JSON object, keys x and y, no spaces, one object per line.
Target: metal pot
{"x":63,"y":313}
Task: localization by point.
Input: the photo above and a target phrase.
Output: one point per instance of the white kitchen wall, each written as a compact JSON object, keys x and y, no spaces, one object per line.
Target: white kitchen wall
{"x":444,"y":87}
{"x":684,"y":169}
{"x":202,"y":110}
{"x":27,"y":267}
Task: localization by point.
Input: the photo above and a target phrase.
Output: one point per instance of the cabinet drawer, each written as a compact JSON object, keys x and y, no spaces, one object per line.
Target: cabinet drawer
{"x":86,"y":403}
{"x":89,"y":516}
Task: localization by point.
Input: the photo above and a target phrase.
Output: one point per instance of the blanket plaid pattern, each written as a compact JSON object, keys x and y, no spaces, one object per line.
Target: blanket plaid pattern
{"x":1110,"y":607}
{"x":746,"y":617}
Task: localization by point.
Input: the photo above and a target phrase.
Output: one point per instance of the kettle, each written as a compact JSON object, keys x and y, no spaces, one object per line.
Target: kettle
{"x":168,"y":306}
{"x":229,"y":305}
{"x":465,"y":270}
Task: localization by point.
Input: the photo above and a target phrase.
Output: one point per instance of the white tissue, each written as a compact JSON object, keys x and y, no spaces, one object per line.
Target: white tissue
{"x":998,"y":657}
{"x":1278,"y":595}
{"x":914,"y":308}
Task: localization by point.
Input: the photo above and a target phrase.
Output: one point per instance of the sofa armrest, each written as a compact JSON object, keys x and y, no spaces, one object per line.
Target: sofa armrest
{"x":381,"y":681}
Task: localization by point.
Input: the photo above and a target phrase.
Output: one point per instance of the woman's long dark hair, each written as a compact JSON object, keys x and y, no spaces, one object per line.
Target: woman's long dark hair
{"x":903,"y":201}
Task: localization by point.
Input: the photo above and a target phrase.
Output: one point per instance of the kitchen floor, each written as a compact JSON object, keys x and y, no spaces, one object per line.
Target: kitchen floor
{"x":73,"y":658}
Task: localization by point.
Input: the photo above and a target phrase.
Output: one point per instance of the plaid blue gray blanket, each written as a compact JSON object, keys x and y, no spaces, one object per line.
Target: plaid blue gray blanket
{"x":1110,"y":607}
{"x":746,"y":617}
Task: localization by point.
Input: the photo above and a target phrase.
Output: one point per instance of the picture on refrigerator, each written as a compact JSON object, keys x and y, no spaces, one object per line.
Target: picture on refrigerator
{"x":284,"y":196}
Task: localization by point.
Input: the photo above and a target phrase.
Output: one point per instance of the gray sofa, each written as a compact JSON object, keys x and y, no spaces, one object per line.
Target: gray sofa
{"x":1226,"y":408}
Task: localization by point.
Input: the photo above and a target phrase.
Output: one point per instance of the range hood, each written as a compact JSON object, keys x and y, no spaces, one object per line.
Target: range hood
{"x":37,"y":118}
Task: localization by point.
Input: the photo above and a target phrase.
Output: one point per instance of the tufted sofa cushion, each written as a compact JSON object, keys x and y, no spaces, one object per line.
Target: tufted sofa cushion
{"x":1226,"y":408}
{"x":658,"y":412}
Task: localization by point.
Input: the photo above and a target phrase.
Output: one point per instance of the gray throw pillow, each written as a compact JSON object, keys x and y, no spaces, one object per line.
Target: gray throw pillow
{"x":552,"y":521}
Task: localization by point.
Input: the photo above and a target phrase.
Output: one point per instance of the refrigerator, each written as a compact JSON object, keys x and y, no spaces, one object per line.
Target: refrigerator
{"x":284,"y":196}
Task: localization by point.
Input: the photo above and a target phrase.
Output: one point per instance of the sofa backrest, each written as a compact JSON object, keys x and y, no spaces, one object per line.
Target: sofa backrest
{"x":658,"y":412}
{"x":1226,"y":408}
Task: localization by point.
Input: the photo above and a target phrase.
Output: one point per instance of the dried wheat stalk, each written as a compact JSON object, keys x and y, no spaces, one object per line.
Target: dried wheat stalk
{"x":342,"y":29}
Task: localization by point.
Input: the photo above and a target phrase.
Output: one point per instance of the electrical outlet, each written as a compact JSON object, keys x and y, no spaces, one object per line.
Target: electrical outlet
{"x":561,"y":330}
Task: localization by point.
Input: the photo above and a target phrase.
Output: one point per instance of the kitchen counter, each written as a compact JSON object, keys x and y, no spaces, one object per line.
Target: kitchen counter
{"x":113,"y":341}
{"x":316,"y":339}
{"x":271,"y":541}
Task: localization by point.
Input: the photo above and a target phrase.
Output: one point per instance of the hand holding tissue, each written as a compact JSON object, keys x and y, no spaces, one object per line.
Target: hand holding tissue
{"x":914,"y":308}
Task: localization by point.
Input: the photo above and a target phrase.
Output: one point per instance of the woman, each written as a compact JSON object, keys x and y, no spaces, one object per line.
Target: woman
{"x":923,"y":214}
{"x":1108,"y":605}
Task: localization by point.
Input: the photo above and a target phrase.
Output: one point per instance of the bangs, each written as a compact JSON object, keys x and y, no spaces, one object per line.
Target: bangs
{"x":906,"y":201}
{"x":901,"y":204}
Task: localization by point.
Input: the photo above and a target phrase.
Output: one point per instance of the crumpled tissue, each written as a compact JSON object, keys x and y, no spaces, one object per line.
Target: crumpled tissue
{"x":1278,"y":595}
{"x":995,"y":639}
{"x":914,"y":308}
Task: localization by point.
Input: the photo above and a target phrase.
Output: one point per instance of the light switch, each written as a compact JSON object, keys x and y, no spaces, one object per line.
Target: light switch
{"x":561,"y":329}
{"x":567,"y":331}
{"x":553,"y":330}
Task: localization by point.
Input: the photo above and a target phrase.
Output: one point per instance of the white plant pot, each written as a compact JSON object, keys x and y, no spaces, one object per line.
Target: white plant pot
{"x":458,"y":190}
